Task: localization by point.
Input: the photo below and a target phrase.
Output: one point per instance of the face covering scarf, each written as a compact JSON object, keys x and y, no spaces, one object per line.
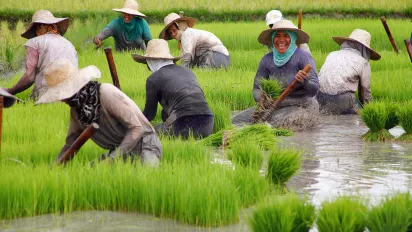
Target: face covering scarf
{"x":281,"y":59}
{"x":365,"y":53}
{"x":87,"y":103}
{"x":156,"y":64}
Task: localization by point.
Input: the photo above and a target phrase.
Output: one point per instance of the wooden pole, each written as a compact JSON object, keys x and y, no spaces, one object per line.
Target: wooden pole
{"x":78,"y":143}
{"x":1,"y":118}
{"x":179,"y":44}
{"x":112,"y":67}
{"x":388,"y":32}
{"x":409,"y":48}
{"x":284,"y":94}
{"x":299,"y":21}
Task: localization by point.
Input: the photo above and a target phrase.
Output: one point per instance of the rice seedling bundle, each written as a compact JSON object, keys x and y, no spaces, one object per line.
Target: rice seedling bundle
{"x":247,"y":153}
{"x":283,"y":164}
{"x":375,"y":116}
{"x":405,"y":120}
{"x":345,"y":214}
{"x":392,"y":120}
{"x":283,"y":214}
{"x":271,"y":87}
{"x":392,"y":214}
{"x":176,"y":150}
{"x":221,"y":115}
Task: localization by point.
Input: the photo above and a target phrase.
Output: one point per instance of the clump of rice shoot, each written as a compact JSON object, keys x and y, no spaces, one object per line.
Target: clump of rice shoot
{"x":392,"y":120}
{"x":273,"y":88}
{"x":405,"y":120}
{"x":246,"y":153}
{"x":259,"y":133}
{"x":282,"y":132}
{"x":345,"y":213}
{"x":375,"y":116}
{"x":392,"y":214}
{"x":283,"y":213}
{"x":221,"y":114}
{"x":283,"y":164}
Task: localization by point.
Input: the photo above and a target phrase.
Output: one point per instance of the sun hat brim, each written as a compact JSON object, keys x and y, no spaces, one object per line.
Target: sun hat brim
{"x":69,"y":87}
{"x":142,"y":58}
{"x":165,"y":35}
{"x":265,"y":37}
{"x":8,"y":99}
{"x":339,"y":40}
{"x":130,"y":11}
{"x":63,"y":24}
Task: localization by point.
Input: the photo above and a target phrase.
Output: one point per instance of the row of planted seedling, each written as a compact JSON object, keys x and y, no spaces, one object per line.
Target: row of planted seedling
{"x":289,"y":213}
{"x":380,"y":116}
{"x":187,"y":186}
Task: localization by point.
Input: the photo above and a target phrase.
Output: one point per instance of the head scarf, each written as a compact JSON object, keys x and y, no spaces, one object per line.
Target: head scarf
{"x":156,"y":64}
{"x":87,"y":103}
{"x":131,"y":30}
{"x":365,"y":53}
{"x":281,"y":59}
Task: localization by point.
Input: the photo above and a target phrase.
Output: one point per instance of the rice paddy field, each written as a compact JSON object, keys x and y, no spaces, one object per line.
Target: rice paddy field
{"x":196,"y":184}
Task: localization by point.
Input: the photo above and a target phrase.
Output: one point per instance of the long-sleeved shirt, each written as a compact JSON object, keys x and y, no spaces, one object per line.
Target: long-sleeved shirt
{"x":346,"y":71}
{"x":121,"y":123}
{"x":178,"y":92}
{"x":286,"y":74}
{"x":196,"y":42}
{"x":115,"y":29}
{"x":49,"y":48}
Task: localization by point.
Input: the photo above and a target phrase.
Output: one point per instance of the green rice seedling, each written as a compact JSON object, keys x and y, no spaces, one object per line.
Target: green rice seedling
{"x":404,"y":115}
{"x":392,"y":120}
{"x":283,"y":164}
{"x":176,"y":150}
{"x":282,"y":132}
{"x":247,"y":153}
{"x":283,"y":213}
{"x":250,"y":186}
{"x":345,"y":214}
{"x":375,"y":116}
{"x":392,"y":214}
{"x":221,"y":115}
{"x":271,"y":87}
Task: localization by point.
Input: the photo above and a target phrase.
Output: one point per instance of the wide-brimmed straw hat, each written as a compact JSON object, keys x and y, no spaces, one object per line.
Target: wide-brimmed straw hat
{"x":8,"y":99}
{"x":282,"y":25}
{"x":174,"y":18}
{"x":45,"y":17}
{"x":273,"y":16}
{"x":360,"y":36}
{"x":130,"y":7}
{"x":156,"y":49}
{"x":63,"y":80}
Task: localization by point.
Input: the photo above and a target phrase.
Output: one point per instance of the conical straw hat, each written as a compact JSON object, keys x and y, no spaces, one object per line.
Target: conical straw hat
{"x":130,"y":7}
{"x":45,"y":17}
{"x":63,"y":80}
{"x":282,"y":25}
{"x":156,"y":49}
{"x":360,"y":36}
{"x":8,"y":98}
{"x":173,"y":18}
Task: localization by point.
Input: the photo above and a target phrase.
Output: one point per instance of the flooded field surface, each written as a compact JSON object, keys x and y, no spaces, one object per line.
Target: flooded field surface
{"x":336,"y":161}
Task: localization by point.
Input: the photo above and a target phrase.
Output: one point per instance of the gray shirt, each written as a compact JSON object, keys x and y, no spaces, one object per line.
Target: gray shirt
{"x":177,"y":90}
{"x":286,"y":74}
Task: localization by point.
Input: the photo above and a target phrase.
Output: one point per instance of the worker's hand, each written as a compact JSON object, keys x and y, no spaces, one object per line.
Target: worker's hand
{"x":301,"y":76}
{"x":97,"y":41}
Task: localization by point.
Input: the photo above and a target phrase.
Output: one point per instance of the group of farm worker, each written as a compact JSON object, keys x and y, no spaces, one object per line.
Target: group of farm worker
{"x":126,"y":131}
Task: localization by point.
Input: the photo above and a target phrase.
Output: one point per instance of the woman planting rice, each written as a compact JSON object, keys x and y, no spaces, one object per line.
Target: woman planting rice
{"x":45,"y":44}
{"x":346,"y":71}
{"x":128,"y":31}
{"x":199,"y":48}
{"x":185,"y":110}
{"x":123,"y":127}
{"x":285,"y":63}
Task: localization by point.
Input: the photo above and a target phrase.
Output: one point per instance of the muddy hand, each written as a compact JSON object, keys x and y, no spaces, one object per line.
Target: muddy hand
{"x":301,"y":76}
{"x":97,"y":41}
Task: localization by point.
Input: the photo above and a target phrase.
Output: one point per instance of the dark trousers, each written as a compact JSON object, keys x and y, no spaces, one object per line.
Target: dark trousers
{"x":199,"y":126}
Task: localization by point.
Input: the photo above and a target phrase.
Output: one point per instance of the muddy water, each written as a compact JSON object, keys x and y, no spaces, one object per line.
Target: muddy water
{"x":335,"y":162}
